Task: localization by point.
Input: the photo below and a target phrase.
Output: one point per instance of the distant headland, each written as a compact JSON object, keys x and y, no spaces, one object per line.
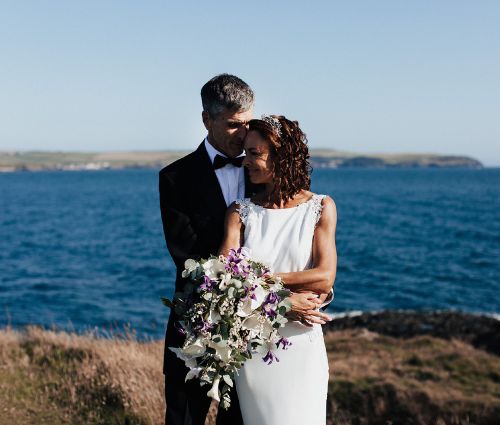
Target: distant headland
{"x":320,"y":158}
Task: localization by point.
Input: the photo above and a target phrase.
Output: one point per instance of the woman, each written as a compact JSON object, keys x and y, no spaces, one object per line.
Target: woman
{"x":293,"y":231}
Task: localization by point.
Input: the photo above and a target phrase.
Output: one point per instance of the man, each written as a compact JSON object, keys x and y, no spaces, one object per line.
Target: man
{"x":195,"y":192}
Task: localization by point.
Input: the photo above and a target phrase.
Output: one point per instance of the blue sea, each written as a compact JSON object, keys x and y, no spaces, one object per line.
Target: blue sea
{"x":83,"y":250}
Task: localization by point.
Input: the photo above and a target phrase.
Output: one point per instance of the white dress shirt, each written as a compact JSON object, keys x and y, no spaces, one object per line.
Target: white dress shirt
{"x":231,"y":178}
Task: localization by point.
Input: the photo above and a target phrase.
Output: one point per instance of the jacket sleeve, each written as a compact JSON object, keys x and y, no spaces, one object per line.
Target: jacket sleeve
{"x":328,"y":300}
{"x":182,"y":240}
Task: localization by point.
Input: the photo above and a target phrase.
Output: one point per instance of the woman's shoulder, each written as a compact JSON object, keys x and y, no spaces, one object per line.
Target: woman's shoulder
{"x":325,"y":200}
{"x":326,"y":211}
{"x":239,"y":208}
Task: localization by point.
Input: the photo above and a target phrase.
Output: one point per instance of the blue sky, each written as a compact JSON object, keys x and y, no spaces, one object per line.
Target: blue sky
{"x":366,"y":76}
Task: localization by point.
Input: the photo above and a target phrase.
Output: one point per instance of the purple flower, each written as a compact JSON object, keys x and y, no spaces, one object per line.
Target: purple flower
{"x":270,"y":357}
{"x":269,"y":304}
{"x":272,"y":298}
{"x":236,"y":263}
{"x":284,"y":342}
{"x":179,"y":328}
{"x":206,"y":327}
{"x":202,"y":326}
{"x":208,"y":284}
{"x":269,"y":310}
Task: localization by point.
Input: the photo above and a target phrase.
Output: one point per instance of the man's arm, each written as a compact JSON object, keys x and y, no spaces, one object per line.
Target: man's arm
{"x":181,"y":239}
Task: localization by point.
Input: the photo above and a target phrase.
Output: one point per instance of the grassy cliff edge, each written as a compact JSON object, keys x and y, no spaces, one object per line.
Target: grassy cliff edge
{"x":49,"y":377}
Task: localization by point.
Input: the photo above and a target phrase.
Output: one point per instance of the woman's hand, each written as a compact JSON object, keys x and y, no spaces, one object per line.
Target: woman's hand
{"x":304,"y":305}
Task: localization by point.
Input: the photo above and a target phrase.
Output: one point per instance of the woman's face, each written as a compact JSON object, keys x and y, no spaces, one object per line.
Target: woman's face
{"x":258,"y":159}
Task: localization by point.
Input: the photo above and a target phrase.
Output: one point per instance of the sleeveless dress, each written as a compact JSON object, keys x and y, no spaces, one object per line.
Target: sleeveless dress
{"x":292,"y":391}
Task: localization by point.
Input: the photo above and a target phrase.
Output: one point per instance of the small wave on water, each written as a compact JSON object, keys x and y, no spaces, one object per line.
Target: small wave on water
{"x":87,"y":250}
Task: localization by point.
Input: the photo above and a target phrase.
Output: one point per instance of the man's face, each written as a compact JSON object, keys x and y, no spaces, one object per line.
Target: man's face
{"x":227,"y":130}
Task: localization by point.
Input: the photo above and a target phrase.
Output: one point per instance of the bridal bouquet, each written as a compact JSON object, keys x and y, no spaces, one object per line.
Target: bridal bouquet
{"x":231,"y":307}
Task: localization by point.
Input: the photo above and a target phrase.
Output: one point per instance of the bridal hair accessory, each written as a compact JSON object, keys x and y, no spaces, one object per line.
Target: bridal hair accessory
{"x":273,"y":122}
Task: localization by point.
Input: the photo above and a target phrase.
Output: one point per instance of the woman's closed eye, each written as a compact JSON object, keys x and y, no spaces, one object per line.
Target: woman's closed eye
{"x":252,"y":153}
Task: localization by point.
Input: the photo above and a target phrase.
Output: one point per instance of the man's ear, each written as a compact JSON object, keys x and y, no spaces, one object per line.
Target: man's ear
{"x":206,"y":120}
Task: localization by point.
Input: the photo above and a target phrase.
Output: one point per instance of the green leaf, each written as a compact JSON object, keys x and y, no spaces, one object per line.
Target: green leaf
{"x":227,"y":380}
{"x":224,"y":330}
{"x":166,"y":302}
{"x":283,"y":293}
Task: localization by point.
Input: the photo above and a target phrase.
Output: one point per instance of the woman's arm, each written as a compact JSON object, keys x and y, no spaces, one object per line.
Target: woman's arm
{"x":304,"y":305}
{"x":233,"y":228}
{"x":320,"y":277}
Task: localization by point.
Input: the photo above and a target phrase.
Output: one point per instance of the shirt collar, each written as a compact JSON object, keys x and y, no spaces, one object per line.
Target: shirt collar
{"x":212,"y":151}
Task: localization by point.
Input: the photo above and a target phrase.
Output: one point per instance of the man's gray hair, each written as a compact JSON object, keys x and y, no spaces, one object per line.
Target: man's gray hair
{"x":226,"y":92}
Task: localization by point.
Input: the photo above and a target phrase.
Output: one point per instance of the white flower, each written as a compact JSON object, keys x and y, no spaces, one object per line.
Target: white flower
{"x":196,"y":349}
{"x":244,"y":308}
{"x":190,"y":265}
{"x":260,"y":295}
{"x":248,"y":283}
{"x":258,"y":326}
{"x":222,"y":351}
{"x":226,"y":278}
{"x":281,"y":320}
{"x":267,"y":329}
{"x":188,"y":360}
{"x":213,"y":317}
{"x":214,"y":391}
{"x":213,"y":268}
{"x":193,"y":373}
{"x":253,"y":324}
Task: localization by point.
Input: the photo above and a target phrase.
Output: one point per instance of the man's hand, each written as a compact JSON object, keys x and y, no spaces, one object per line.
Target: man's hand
{"x":304,"y":305}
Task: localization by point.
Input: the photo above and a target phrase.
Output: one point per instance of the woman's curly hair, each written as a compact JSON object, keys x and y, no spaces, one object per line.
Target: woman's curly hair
{"x":290,"y":155}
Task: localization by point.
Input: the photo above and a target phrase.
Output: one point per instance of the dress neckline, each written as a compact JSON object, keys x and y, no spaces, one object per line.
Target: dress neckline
{"x":284,"y":209}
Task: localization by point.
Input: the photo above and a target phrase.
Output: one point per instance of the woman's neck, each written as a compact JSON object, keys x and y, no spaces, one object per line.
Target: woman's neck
{"x":268,"y":196}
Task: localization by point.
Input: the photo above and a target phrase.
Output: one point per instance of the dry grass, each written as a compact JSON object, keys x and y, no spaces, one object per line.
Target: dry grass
{"x":423,"y":380}
{"x":57,"y":378}
{"x":49,"y":378}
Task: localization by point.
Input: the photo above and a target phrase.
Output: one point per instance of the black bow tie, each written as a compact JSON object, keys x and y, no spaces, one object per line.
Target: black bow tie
{"x":221,"y":161}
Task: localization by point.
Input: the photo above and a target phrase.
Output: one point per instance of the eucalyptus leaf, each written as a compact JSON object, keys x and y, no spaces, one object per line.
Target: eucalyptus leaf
{"x":227,"y":380}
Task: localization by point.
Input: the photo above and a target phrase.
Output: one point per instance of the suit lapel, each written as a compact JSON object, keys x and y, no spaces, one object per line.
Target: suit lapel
{"x":210,"y":190}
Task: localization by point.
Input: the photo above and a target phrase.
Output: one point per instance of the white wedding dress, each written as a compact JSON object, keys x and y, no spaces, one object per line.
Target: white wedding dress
{"x":292,"y":391}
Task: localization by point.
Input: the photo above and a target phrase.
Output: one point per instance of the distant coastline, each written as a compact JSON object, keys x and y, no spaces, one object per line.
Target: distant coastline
{"x":11,"y":161}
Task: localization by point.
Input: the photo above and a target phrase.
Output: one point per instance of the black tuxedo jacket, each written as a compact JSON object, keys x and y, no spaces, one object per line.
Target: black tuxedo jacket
{"x":192,"y":211}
